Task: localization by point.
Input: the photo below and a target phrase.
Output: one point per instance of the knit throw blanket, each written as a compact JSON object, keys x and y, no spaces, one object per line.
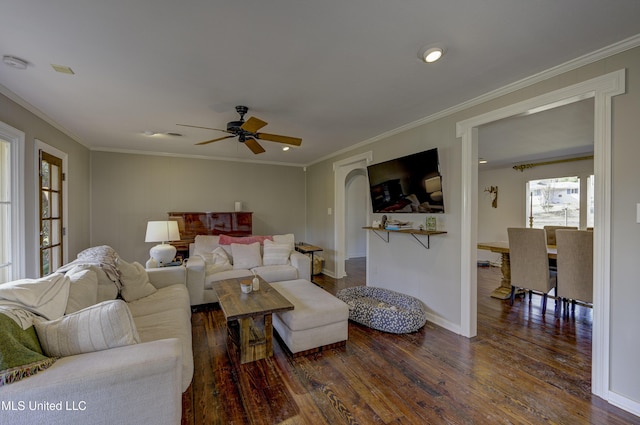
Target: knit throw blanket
{"x":102,"y":256}
{"x":20,"y":352}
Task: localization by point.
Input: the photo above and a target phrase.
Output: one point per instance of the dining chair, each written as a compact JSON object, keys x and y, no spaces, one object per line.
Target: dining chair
{"x":551,"y":240}
{"x":551,"y":232}
{"x":530,"y":263}
{"x":575,"y":267}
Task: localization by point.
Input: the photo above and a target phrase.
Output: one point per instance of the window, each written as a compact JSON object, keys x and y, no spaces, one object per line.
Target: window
{"x":561,"y":201}
{"x":12,"y":234}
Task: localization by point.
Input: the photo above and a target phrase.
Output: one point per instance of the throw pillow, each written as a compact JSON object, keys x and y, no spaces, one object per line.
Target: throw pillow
{"x":134,"y":280}
{"x":204,"y":245}
{"x":244,"y":240}
{"x":246,"y":256}
{"x":219,"y":262}
{"x":107,"y":288}
{"x":83,"y":291}
{"x":20,"y":352}
{"x":289,"y":239}
{"x":275,"y":253}
{"x":102,"y":326}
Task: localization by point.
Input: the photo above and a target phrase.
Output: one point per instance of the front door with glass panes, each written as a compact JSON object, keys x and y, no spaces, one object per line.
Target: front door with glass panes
{"x":51,"y":223}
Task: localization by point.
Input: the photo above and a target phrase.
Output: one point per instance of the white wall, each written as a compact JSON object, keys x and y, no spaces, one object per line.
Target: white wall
{"x":128,"y":190}
{"x":357,"y":211}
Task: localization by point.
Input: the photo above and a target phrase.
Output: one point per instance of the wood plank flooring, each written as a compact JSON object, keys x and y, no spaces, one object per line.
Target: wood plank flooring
{"x":522,"y":368}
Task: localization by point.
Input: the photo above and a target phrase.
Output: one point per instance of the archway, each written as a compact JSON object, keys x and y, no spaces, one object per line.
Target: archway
{"x":341,"y":170}
{"x":356,"y":213}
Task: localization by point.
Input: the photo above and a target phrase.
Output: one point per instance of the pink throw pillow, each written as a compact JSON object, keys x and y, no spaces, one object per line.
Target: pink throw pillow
{"x":243,"y":240}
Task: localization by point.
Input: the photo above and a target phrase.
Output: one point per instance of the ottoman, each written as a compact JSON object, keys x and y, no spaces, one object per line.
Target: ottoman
{"x":318,"y":319}
{"x":384,"y":309}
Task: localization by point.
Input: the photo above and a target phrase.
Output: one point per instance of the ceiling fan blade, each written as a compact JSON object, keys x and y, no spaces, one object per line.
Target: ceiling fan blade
{"x":254,"y":146}
{"x":206,"y":128}
{"x":215,"y":140}
{"x":295,"y":141}
{"x":253,"y":124}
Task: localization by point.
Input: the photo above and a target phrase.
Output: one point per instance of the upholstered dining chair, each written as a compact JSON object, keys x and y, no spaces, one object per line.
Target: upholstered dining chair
{"x":530,"y":263}
{"x":575,"y":267}
{"x":551,"y":232}
{"x":551,"y":240}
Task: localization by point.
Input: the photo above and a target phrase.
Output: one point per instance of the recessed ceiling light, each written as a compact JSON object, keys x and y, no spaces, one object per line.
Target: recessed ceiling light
{"x":149,"y":133}
{"x":430,"y":54}
{"x":15,"y":62}
{"x":482,"y":161}
{"x":286,"y":148}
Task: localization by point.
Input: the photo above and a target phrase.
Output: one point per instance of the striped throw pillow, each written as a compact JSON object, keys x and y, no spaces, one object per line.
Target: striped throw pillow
{"x":275,"y":253}
{"x":108,"y":324}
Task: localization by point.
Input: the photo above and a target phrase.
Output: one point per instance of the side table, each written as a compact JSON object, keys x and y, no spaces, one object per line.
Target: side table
{"x":309,"y":249}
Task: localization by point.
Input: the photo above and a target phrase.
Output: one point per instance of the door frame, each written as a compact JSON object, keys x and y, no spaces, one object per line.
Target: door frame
{"x":602,"y":89}
{"x":40,"y":145}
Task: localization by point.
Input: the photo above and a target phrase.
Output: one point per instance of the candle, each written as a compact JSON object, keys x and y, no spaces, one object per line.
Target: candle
{"x":531,"y":205}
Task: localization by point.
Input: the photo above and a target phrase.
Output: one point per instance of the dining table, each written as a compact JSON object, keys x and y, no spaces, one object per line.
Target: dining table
{"x":503,"y":292}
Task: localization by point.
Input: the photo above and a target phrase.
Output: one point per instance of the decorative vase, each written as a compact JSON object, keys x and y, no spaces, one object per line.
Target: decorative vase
{"x":256,"y":284}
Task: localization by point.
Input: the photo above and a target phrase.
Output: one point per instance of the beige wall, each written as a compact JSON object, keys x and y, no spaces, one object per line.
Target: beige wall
{"x":434,"y":275}
{"x":78,"y":186}
{"x":128,"y":190}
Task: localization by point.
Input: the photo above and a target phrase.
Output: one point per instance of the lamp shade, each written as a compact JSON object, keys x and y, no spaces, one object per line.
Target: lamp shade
{"x":162,"y":231}
{"x":433,"y":184}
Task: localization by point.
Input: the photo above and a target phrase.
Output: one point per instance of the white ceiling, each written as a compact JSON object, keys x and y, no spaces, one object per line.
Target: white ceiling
{"x":562,"y":132}
{"x":333,"y":72}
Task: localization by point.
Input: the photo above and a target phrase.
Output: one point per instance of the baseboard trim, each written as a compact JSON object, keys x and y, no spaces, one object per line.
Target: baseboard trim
{"x":624,"y":403}
{"x":440,"y":321}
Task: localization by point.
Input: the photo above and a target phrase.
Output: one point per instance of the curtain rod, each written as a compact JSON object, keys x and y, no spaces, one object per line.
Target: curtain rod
{"x":522,"y":167}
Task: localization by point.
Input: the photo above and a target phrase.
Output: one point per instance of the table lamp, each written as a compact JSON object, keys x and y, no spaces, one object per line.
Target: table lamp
{"x":162,"y":231}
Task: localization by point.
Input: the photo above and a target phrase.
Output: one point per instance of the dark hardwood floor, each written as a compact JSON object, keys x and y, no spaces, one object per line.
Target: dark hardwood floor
{"x":522,"y":368}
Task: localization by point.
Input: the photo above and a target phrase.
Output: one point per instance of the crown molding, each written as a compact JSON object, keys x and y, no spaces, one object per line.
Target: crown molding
{"x":187,"y":156}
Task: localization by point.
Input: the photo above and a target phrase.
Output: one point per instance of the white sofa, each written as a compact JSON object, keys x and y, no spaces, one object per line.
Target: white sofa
{"x":275,"y":263}
{"x":140,"y":383}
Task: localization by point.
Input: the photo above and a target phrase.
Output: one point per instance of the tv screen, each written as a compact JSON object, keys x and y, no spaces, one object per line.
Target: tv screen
{"x":410,"y":184}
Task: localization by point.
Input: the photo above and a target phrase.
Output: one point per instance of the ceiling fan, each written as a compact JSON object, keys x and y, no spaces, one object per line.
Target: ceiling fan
{"x":247,"y":132}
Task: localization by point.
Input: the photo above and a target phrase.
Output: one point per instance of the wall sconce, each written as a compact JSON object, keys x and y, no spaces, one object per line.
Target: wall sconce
{"x":493,"y":191}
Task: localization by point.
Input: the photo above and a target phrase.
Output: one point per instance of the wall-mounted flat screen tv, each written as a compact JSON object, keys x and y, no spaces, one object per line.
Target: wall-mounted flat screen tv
{"x":410,"y":184}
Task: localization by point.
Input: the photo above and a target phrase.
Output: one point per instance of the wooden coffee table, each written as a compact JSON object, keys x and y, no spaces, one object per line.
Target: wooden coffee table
{"x":248,"y":316}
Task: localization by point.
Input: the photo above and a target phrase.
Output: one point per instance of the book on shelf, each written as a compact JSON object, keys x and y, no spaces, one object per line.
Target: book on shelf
{"x":400,"y":225}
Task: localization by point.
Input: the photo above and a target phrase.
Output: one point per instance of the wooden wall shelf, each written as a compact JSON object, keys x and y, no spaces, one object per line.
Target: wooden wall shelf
{"x":412,"y":232}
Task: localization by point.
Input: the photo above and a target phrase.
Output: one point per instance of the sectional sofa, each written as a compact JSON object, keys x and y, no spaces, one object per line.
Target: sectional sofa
{"x":114,"y":344}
